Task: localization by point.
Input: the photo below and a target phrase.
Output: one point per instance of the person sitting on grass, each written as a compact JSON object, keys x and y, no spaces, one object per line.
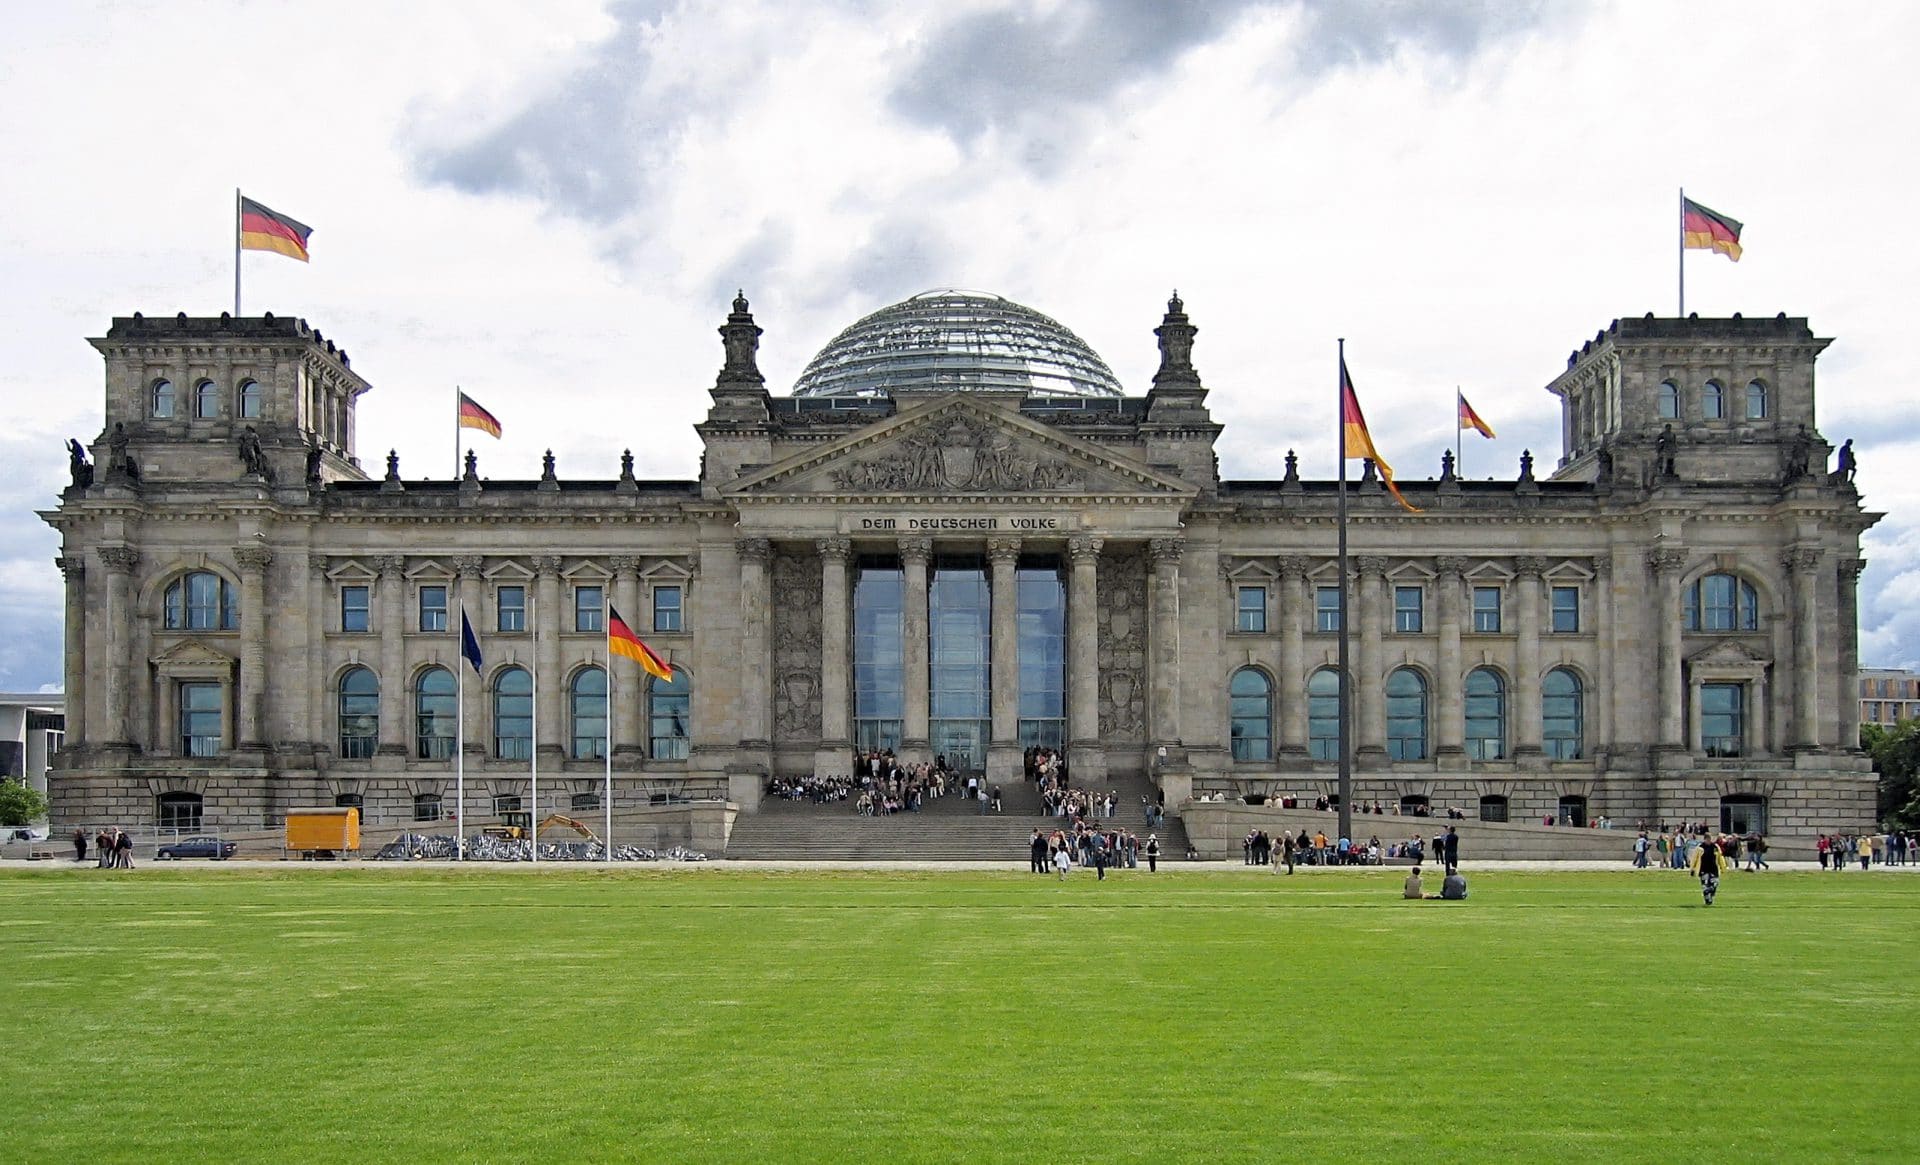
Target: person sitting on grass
{"x":1412,"y":888}
{"x":1454,"y":888}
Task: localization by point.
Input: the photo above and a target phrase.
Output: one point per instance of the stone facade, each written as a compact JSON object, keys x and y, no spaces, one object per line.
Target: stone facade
{"x":255,"y":623}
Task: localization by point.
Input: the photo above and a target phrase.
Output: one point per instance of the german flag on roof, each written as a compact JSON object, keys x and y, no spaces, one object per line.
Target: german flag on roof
{"x":1702,"y":229}
{"x":262,"y":229}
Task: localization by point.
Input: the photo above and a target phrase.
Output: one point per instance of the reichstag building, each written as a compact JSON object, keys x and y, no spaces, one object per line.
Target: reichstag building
{"x":959,"y":535}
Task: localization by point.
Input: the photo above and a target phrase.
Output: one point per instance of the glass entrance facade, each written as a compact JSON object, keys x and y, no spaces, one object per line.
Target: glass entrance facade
{"x":960,"y":682}
{"x":1043,"y":655}
{"x":878,"y":665}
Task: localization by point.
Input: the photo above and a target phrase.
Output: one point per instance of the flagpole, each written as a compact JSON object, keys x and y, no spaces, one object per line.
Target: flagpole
{"x":460,"y":743}
{"x":456,"y":432}
{"x":606,"y":749}
{"x":236,"y":252}
{"x":533,"y":752}
{"x":1459,"y":449}
{"x":1681,"y":234}
{"x":1346,"y":683}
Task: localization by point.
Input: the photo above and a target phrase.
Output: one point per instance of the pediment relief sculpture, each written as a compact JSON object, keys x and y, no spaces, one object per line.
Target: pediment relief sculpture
{"x":963,"y":455}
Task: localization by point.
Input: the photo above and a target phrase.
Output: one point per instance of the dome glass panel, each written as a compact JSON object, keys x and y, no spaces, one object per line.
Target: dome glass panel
{"x":956,"y":341}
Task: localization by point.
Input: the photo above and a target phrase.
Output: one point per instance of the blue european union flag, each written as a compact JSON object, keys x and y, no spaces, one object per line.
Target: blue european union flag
{"x":469,"y":646}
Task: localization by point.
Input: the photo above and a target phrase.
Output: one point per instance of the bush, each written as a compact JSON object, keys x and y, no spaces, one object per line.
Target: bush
{"x":20,"y":805}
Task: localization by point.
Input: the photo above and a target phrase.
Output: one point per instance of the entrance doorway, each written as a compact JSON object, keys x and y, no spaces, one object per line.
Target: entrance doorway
{"x":962,"y":742}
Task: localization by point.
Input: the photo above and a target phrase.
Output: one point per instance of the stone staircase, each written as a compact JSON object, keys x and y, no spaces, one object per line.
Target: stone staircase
{"x":947,"y":829}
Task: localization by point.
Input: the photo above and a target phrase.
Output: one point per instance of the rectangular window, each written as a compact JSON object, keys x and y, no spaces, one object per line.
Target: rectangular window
{"x":1566,"y":610}
{"x":1326,"y":608}
{"x":1252,"y":609}
{"x":587,"y":603}
{"x":1723,"y":719}
{"x":1486,"y":609}
{"x":510,"y":605}
{"x":433,"y":608}
{"x":666,"y":609}
{"x":1409,"y":610}
{"x":200,"y":728}
{"x":354,"y":609}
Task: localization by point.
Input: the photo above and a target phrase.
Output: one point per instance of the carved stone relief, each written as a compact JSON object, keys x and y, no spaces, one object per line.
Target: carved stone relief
{"x":1123,"y":646}
{"x":963,"y":456}
{"x":796,"y":646}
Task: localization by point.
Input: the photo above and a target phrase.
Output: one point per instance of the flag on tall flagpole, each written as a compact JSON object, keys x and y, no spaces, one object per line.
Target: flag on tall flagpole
{"x":472,"y":416}
{"x":469,"y":646}
{"x":262,"y":229}
{"x":1356,"y":442}
{"x":1702,"y":229}
{"x":622,"y":641}
{"x":1470,"y":419}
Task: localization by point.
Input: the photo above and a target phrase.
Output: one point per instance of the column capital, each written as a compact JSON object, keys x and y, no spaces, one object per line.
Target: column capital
{"x":546,"y":565}
{"x":1602,"y":567}
{"x":1003,"y":550}
{"x":624,"y":564}
{"x":1165,"y":551}
{"x":119,"y":559}
{"x":1084,"y":549}
{"x":918,"y":550}
{"x":757,"y":550}
{"x":835,"y":549}
{"x":253,"y":559}
{"x":1370,"y":565}
{"x":1666,"y":560}
{"x":1530,"y":566}
{"x":1451,"y":565}
{"x":1850,"y":568}
{"x":390,"y":565}
{"x":72,"y":566}
{"x":1291,"y":567}
{"x":1801,"y":559}
{"x":468,"y":565}
{"x":318,"y":563}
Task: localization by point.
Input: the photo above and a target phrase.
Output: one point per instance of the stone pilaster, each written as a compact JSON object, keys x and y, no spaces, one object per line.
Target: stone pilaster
{"x":1163,"y":603}
{"x":315,"y":731}
{"x":1847,"y":674}
{"x":74,"y":569}
{"x":1370,"y":708}
{"x":1294,"y":610}
{"x":254,"y":684}
{"x":1524,"y":716}
{"x":1599,"y":724}
{"x":756,"y":643}
{"x":1003,"y":745}
{"x":393,"y":647}
{"x":547,"y":617}
{"x":119,"y":561}
{"x":832,"y":756}
{"x":1449,"y":703}
{"x":476,"y":719}
{"x":1085,"y":753}
{"x":1803,"y":565}
{"x":626,"y":687}
{"x":915,"y":554}
{"x":1666,"y":563}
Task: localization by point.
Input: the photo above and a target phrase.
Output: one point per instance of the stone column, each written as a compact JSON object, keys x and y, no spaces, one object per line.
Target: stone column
{"x":833,"y":755}
{"x":393,"y":647}
{"x":74,"y":569}
{"x":316,"y":710}
{"x":1848,"y":654}
{"x":1370,"y":708}
{"x":119,"y":561}
{"x":548,"y":610}
{"x":476,"y":718}
{"x":915,"y":554}
{"x":1666,"y":564}
{"x":1294,"y":610}
{"x":756,"y":644}
{"x":252,"y":697}
{"x":1449,"y":703}
{"x":1163,"y":633}
{"x":1525,"y":713}
{"x":627,"y":685}
{"x":1803,"y":564}
{"x":1003,"y":742}
{"x":1599,"y":728}
{"x":1085,"y":752}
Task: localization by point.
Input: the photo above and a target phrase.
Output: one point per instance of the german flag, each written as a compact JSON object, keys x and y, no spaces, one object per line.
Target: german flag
{"x":268,"y":230}
{"x":1708,"y":230}
{"x":472,"y":416}
{"x":622,"y":641}
{"x":1470,"y":419}
{"x":1356,"y":442}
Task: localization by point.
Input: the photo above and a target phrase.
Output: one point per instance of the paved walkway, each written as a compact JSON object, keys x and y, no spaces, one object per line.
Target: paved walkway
{"x":1178,"y":868}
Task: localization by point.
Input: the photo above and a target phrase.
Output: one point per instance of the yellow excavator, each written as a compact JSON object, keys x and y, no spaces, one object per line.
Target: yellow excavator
{"x":518,"y":825}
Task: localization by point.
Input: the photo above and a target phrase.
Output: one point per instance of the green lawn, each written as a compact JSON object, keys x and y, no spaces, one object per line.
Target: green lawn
{"x":713,"y":1014}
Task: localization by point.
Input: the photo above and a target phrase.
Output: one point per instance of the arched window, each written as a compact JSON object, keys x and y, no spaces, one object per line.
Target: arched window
{"x":359,"y":714}
{"x":1251,"y":697}
{"x":1743,"y":813}
{"x":1669,"y":401}
{"x":1323,"y":714}
{"x":200,"y":601}
{"x":1406,"y":715}
{"x":206,"y":400}
{"x":1493,"y":807}
{"x":588,"y":703}
{"x":513,"y":714}
{"x":1756,"y":400}
{"x":249,"y":399}
{"x":351,"y":801}
{"x":1561,"y":722}
{"x":1721,"y":602}
{"x":1416,"y":805}
{"x":1486,"y":715}
{"x":585,"y":803}
{"x":1713,"y":400}
{"x":160,"y":398}
{"x":426,"y":806}
{"x":1573,"y":810}
{"x":435,"y":705}
{"x":178,"y":810}
{"x":669,"y":704}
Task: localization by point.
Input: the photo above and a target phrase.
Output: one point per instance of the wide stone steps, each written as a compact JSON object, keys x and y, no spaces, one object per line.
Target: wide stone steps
{"x":948,"y":830}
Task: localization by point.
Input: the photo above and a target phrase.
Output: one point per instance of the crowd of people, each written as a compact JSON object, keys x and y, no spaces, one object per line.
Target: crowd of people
{"x":1089,"y":847}
{"x":1838,"y":851}
{"x":113,"y":848}
{"x":1259,"y":848}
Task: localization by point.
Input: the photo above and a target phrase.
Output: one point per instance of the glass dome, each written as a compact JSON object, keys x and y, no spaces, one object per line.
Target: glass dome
{"x":956,"y":340}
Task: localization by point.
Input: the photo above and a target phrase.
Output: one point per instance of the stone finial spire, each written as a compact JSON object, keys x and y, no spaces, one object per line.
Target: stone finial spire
{"x":1176,"y":346}
{"x":741,"y":338}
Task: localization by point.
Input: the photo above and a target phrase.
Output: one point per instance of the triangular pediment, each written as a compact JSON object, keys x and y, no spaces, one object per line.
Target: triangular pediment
{"x":957,"y":445}
{"x":1725,"y":653}
{"x":192,"y":653}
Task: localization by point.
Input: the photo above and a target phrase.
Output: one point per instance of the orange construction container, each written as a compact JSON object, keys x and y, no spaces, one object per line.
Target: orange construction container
{"x":323,"y":833}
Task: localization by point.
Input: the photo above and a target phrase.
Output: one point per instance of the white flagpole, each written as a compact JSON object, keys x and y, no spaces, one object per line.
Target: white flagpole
{"x":1459,"y":450}
{"x":460,"y":741}
{"x":456,"y":432}
{"x":236,"y":252}
{"x":533,"y":752}
{"x":606,"y":626}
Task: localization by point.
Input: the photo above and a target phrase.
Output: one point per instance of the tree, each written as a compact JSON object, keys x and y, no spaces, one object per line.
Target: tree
{"x":1896,"y":758}
{"x":20,"y":805}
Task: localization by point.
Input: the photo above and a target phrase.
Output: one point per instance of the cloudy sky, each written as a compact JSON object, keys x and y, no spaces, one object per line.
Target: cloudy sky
{"x":551,"y":204}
